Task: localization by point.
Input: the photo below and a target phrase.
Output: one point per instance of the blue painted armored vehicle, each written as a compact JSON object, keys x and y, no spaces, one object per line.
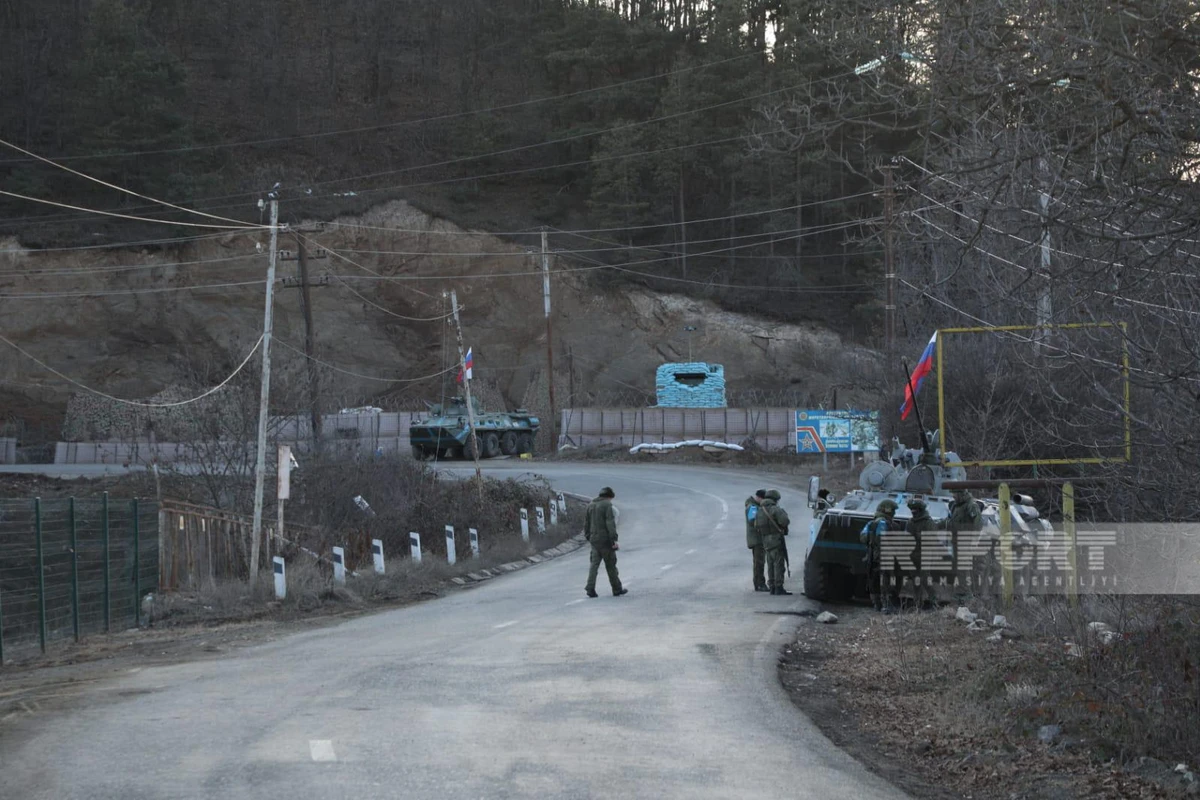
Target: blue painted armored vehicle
{"x":446,"y":433}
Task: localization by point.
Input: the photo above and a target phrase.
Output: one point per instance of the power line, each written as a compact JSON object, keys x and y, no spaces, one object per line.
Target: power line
{"x":614,"y":245}
{"x":327,"y":365}
{"x":1101,"y":293}
{"x":117,"y":188}
{"x":401,"y":123}
{"x":123,"y":401}
{"x":32,"y":251}
{"x":119,"y":292}
{"x":599,"y":265}
{"x":354,"y":263}
{"x":484,"y":176}
{"x":579,"y":231}
{"x":127,"y":267}
{"x":1048,"y":345}
{"x":122,"y":216}
{"x":375,"y":305}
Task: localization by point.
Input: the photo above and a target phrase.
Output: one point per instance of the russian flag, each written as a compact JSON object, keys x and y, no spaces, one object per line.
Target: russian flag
{"x":920,"y":372}
{"x":468,"y":363}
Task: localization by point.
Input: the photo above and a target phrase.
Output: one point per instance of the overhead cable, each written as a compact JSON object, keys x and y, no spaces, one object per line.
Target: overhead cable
{"x":123,"y":401}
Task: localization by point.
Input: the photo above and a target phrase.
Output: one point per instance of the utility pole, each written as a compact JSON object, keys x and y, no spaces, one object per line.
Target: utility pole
{"x":260,"y":468}
{"x":1044,"y":309}
{"x":549,"y":341}
{"x":314,"y":405}
{"x":462,"y":364}
{"x":889,"y":260}
{"x":302,"y":282}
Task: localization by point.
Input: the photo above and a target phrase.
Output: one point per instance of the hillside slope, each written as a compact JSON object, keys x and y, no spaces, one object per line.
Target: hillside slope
{"x":120,"y":321}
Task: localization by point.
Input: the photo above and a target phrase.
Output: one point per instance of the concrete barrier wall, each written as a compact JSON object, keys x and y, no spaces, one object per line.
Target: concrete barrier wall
{"x":145,"y":453}
{"x":768,"y":428}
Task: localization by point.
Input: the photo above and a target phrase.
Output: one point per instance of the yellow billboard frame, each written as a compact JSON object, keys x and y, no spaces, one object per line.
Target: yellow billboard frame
{"x":943,"y":446}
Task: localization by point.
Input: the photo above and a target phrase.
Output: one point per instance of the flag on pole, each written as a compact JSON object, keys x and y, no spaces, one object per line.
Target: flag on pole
{"x":919,"y":373}
{"x":468,"y":363}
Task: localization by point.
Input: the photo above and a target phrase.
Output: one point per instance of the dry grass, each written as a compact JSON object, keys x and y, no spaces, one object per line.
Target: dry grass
{"x":966,"y":711}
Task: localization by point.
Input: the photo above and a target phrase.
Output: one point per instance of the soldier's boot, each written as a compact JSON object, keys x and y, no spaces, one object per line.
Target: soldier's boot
{"x":591,"y":593}
{"x":761,"y":588}
{"x":782,"y":590}
{"x":622,"y":591}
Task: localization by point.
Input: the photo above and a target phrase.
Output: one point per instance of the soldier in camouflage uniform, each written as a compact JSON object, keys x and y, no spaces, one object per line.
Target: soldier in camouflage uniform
{"x":600,"y":529}
{"x":919,"y":524}
{"x":771,"y":523}
{"x":754,"y":540}
{"x":872,"y":535}
{"x":964,"y":514}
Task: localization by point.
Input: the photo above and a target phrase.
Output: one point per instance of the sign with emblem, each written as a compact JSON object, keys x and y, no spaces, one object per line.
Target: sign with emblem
{"x":835,"y":431}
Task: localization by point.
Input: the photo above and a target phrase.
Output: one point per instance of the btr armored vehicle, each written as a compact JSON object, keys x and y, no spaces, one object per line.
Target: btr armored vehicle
{"x":835,"y":566}
{"x":447,"y":432}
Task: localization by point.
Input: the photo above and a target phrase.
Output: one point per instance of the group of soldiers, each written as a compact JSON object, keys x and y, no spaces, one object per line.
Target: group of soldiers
{"x":965,"y":515}
{"x":766,"y":526}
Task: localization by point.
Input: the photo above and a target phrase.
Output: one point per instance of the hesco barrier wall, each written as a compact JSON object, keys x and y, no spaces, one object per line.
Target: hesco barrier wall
{"x":768,"y":428}
{"x":69,"y":567}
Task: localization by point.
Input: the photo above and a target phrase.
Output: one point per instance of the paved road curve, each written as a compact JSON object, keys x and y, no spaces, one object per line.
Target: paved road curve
{"x":519,"y":687}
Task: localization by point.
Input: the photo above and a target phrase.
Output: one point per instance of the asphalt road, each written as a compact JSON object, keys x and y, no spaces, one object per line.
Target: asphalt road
{"x":519,"y":687}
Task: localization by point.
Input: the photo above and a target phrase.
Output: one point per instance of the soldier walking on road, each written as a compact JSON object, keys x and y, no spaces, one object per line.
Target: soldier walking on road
{"x":754,"y":539}
{"x":771,"y":523}
{"x":600,"y":529}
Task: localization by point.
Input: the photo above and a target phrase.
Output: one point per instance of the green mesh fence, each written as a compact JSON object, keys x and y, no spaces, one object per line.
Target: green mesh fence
{"x":70,"y":567}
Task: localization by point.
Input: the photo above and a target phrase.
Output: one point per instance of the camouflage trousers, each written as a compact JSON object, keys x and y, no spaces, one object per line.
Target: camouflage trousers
{"x":760,"y":562}
{"x":609,"y":557}
{"x":775,"y":567}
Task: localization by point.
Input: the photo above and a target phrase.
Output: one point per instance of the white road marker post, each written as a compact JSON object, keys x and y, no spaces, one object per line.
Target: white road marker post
{"x":553,"y":512}
{"x":474,"y":534}
{"x":562,"y":503}
{"x":377,"y":554}
{"x":541,"y":520}
{"x":339,"y":565}
{"x":280,"y":578}
{"x":451,"y":555}
{"x":414,"y":542}
{"x":525,"y":524}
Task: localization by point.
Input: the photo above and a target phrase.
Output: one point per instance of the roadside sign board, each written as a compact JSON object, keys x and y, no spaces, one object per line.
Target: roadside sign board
{"x":835,"y":431}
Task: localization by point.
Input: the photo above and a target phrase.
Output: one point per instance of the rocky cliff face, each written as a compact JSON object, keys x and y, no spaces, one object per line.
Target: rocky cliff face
{"x":121,"y":321}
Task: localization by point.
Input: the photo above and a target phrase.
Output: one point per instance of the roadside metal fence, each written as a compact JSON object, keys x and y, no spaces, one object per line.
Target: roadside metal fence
{"x":73,"y":566}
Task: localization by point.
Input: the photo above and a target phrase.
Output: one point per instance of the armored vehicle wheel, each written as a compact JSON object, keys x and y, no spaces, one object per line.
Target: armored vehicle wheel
{"x":509,"y":443}
{"x":469,"y":449}
{"x":418,"y":452}
{"x":490,"y":445}
{"x":525,"y":443}
{"x":816,"y":581}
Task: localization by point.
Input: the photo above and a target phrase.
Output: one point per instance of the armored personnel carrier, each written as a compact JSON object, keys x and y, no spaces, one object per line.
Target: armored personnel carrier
{"x":835,"y":566}
{"x":447,"y":432}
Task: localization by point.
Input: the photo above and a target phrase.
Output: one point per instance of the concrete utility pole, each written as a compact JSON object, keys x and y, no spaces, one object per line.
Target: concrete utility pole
{"x":260,"y":468}
{"x":889,"y":260}
{"x":1044,"y":309}
{"x":549,"y":341}
{"x":462,"y":364}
